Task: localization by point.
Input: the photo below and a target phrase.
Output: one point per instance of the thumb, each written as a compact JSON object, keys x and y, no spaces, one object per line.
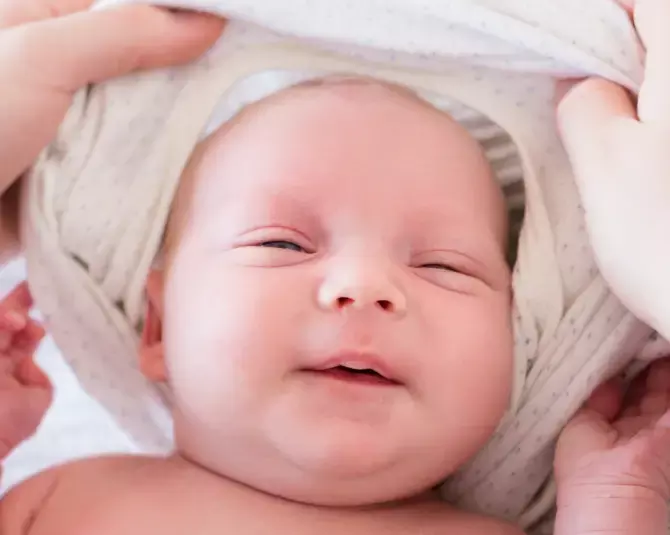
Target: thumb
{"x":586,"y":114}
{"x":69,"y":52}
{"x":588,"y":433}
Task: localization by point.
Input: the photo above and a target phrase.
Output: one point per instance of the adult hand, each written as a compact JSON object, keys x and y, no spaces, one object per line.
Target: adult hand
{"x":612,"y":461}
{"x":51,"y":48}
{"x":620,"y":151}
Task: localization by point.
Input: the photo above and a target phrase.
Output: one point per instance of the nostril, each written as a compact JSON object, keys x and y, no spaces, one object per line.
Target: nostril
{"x":344,"y":301}
{"x":385,"y":305}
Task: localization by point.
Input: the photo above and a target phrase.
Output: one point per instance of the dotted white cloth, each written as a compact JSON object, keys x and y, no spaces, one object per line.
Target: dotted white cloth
{"x":99,"y":196}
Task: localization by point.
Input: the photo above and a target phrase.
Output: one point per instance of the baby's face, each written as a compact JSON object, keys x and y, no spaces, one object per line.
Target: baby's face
{"x":332,"y":229}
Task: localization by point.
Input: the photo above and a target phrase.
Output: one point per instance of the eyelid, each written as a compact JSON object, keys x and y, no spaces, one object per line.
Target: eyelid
{"x":268,"y":233}
{"x":458,"y":260}
{"x":464,"y":264}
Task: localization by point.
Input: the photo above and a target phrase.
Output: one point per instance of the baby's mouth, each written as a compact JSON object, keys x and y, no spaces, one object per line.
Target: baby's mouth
{"x":363,"y":376}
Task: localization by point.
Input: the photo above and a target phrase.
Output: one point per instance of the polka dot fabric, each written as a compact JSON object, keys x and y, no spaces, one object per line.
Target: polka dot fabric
{"x":97,"y":200}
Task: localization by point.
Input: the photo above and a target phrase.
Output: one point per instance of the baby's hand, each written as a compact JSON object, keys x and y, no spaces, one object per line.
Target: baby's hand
{"x":25,"y":391}
{"x":612,"y":461}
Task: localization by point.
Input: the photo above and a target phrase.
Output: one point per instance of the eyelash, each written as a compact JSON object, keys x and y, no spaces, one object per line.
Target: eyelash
{"x":275,"y":244}
{"x":443,"y":267}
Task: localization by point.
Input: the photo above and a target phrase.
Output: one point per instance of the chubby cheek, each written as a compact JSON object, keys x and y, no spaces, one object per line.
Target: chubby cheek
{"x":229,"y":332}
{"x":473,"y":368}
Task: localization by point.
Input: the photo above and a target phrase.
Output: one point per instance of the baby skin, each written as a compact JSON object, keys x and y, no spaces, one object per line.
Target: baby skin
{"x":332,"y":320}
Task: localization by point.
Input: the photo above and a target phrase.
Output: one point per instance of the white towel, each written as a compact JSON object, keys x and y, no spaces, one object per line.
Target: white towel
{"x":97,"y":200}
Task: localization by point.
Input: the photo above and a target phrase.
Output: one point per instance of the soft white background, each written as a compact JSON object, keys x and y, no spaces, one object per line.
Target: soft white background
{"x":74,"y":427}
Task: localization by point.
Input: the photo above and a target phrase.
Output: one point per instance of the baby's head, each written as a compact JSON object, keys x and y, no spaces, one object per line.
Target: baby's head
{"x":331,"y":228}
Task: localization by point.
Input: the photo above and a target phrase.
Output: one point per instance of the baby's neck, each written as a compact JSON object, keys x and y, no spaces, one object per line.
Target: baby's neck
{"x":431,"y":496}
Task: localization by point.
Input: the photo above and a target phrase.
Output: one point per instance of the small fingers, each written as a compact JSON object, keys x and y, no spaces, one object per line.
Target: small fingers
{"x":30,"y":337}
{"x":30,"y":374}
{"x":12,"y":321}
{"x":20,"y":414}
{"x":15,"y":306}
{"x":19,"y":299}
{"x":21,"y":339}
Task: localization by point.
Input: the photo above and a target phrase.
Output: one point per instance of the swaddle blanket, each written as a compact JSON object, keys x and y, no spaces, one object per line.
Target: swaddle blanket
{"x":98,"y":199}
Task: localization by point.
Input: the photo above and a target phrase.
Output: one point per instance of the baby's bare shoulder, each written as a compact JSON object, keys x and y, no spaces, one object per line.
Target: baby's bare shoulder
{"x":28,"y":505}
{"x":123,"y":493}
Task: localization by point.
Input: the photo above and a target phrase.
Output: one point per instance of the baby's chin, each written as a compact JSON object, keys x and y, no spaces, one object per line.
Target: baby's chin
{"x":341,"y":464}
{"x":347,"y":467}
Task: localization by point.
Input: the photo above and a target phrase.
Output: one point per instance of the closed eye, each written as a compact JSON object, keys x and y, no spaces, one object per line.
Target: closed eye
{"x":443,"y":267}
{"x":283,"y":244}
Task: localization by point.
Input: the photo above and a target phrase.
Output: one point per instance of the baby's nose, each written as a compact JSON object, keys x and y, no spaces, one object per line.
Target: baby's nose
{"x":359,"y":288}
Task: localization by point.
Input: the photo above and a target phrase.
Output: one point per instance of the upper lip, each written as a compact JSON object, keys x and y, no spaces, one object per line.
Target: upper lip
{"x":361,"y":360}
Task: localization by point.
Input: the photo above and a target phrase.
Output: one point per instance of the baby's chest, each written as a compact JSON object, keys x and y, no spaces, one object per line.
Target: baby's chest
{"x":144,"y":511}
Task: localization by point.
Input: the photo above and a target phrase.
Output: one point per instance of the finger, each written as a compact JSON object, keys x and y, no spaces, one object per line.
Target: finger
{"x":658,"y":377}
{"x":70,"y":52}
{"x":606,"y":400}
{"x":664,"y":421}
{"x":586,"y":116}
{"x":20,"y":414}
{"x":587,"y":433}
{"x":589,"y":106}
{"x":34,"y":332}
{"x":655,"y":403}
{"x":652,"y":18}
{"x":30,"y":374}
{"x":6,"y":338}
{"x":12,"y":321}
{"x":18,"y":300}
{"x":7,"y":367}
{"x":15,"y":12}
{"x":632,"y":411}
{"x":628,"y":427}
{"x":26,"y":342}
{"x":637,"y":389}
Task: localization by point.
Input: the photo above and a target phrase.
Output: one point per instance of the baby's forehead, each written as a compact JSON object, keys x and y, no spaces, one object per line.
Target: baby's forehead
{"x":287,"y":113}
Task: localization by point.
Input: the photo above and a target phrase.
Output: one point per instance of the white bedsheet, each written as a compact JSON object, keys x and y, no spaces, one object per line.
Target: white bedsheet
{"x":74,"y":427}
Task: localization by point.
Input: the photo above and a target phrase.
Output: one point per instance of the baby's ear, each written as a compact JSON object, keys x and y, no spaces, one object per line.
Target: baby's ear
{"x":151,"y":351}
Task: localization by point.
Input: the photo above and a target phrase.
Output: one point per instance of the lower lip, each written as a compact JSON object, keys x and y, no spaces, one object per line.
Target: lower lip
{"x":336,"y":374}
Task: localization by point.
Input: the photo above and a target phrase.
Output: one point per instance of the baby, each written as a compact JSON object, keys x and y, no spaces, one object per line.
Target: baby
{"x":331,"y":317}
